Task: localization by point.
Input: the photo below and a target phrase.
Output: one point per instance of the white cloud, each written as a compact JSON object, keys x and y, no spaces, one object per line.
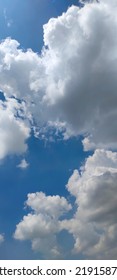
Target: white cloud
{"x":13,"y":131}
{"x":1,"y":238}
{"x":43,"y":223}
{"x":73,"y":82}
{"x":23,"y":164}
{"x":81,"y":70}
{"x":71,"y":86}
{"x":94,"y":225}
{"x":54,"y":206}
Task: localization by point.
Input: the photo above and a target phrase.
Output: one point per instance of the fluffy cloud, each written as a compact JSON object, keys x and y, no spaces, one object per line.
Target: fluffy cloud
{"x":72,"y":84}
{"x":82,"y":72}
{"x":94,"y":225}
{"x":42,"y":225}
{"x":13,"y":131}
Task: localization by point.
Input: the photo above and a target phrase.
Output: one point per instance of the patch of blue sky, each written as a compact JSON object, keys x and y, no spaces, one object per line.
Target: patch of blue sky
{"x":27,"y":19}
{"x":50,"y":168}
{"x":2,"y":97}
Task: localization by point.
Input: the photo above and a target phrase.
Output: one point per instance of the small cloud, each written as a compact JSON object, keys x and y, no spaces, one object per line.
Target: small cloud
{"x":1,"y":238}
{"x":43,"y":225}
{"x":9,"y":23}
{"x":23,"y":164}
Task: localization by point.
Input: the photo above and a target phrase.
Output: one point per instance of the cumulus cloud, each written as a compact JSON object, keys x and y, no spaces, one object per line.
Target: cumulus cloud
{"x":82,"y":73}
{"x":23,"y":164}
{"x":72,"y":83}
{"x":71,"y":86}
{"x":43,"y":223}
{"x":94,"y":224}
{"x":13,"y":130}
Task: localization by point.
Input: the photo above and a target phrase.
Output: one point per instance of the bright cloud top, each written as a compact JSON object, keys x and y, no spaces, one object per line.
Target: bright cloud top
{"x":72,"y":84}
{"x":93,"y":225}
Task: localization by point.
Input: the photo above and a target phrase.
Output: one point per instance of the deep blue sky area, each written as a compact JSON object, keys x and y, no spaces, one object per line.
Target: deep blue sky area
{"x":50,"y":163}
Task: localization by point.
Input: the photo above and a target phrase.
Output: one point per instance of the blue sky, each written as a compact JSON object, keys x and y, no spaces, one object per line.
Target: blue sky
{"x":58,"y":151}
{"x":26,"y":19}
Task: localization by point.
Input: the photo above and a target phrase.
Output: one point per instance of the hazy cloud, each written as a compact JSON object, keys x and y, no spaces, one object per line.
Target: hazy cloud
{"x":23,"y":164}
{"x":8,"y":21}
{"x":1,"y":238}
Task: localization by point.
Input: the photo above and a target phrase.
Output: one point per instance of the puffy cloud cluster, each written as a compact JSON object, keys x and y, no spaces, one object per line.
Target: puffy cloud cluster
{"x":72,"y":84}
{"x":42,"y":225}
{"x":94,"y":223}
{"x":82,"y":71}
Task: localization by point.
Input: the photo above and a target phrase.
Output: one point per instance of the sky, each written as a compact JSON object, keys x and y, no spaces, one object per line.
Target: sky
{"x":58,"y":133}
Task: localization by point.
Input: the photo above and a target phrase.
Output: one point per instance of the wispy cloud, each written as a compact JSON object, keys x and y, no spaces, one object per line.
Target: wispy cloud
{"x":8,"y":21}
{"x":1,"y":238}
{"x":23,"y":164}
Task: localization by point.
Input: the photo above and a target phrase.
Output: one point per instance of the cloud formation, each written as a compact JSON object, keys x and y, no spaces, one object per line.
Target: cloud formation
{"x":72,"y":84}
{"x":94,"y":223}
{"x":13,"y":130}
{"x":43,"y":223}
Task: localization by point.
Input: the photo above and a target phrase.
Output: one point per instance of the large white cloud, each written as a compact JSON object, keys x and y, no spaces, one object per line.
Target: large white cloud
{"x":94,"y":225}
{"x":72,"y":84}
{"x":82,"y":70}
{"x":42,"y":225}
